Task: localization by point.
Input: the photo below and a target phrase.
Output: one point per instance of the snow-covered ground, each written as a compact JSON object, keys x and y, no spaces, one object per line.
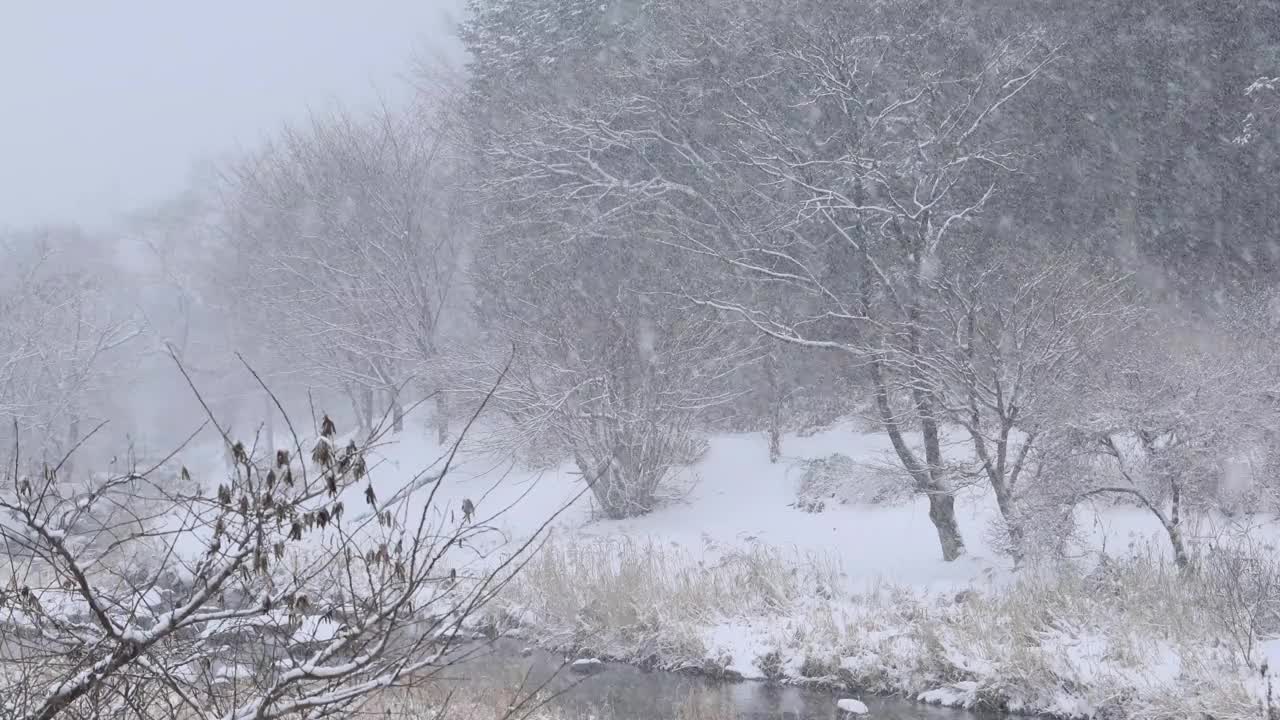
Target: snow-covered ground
{"x":734,"y":497}
{"x":894,"y":621}
{"x":728,"y":576}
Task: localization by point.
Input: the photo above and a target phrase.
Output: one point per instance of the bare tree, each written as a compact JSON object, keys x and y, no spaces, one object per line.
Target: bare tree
{"x":1007,"y":346}
{"x":61,"y":329}
{"x":289,"y":589}
{"x":829,"y":176}
{"x":612,"y":369}
{"x":347,"y":252}
{"x":627,"y":405}
{"x":1173,"y":405}
{"x":873,"y":214}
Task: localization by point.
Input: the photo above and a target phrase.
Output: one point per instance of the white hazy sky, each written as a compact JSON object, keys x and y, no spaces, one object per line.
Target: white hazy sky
{"x":107,"y":105}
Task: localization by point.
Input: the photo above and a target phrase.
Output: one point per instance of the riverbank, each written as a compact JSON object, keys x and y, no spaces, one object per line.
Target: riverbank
{"x":541,"y":686}
{"x":731,"y":577}
{"x":1137,"y":640}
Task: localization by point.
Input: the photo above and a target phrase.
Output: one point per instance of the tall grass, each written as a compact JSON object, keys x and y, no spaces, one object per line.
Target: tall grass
{"x":1134,"y":637}
{"x":646,"y":602}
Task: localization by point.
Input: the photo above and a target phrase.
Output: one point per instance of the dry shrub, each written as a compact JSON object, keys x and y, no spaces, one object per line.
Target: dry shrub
{"x":1133,"y":637}
{"x":1239,"y":584}
{"x":648,"y":602}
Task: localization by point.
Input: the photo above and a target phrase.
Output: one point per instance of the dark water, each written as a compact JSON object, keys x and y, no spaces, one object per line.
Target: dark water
{"x":622,"y":692}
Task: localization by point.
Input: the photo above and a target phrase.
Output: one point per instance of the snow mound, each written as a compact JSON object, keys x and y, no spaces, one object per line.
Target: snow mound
{"x":587,"y":666}
{"x":838,"y":479}
{"x":849,"y":706}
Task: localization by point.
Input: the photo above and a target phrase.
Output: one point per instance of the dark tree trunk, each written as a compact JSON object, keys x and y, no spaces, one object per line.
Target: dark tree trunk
{"x":942,"y":512}
{"x":928,"y":479}
{"x":775,"y":408}
{"x":1174,"y":527}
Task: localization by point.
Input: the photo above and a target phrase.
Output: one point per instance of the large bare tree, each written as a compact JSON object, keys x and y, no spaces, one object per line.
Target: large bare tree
{"x":62,"y":327}
{"x":831,"y":172}
{"x":346,"y":241}
{"x":1176,"y":409}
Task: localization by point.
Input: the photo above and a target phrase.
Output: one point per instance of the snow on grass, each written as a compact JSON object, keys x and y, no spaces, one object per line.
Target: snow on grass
{"x":1057,"y":642}
{"x":730,"y":580}
{"x":734,"y":498}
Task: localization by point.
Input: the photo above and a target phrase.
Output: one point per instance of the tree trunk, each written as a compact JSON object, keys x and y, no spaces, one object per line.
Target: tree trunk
{"x":397,"y":411}
{"x":927,"y":480}
{"x":1002,"y":476}
{"x":1005,"y":502}
{"x":73,"y":437}
{"x":942,"y":507}
{"x":775,"y":408}
{"x":354,"y":395}
{"x":1174,"y":528}
{"x":366,"y":409}
{"x":942,"y":503}
{"x":942,"y":512}
{"x":442,"y":417}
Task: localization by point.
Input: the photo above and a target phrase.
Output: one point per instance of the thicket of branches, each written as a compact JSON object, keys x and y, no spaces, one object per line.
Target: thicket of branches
{"x":852,"y":188}
{"x":287,"y":588}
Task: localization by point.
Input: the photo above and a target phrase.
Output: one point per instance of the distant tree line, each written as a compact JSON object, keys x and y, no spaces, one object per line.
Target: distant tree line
{"x":1003,"y":234}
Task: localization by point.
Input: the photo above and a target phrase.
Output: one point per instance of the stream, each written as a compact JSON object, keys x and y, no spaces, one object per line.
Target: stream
{"x":624,"y":692}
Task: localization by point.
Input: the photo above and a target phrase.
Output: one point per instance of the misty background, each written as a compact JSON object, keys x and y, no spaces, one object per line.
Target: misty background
{"x":978,"y":298}
{"x":110,"y":107}
{"x":351,"y":201}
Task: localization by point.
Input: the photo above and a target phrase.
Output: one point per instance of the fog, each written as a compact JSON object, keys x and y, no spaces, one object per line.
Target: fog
{"x":109,"y":106}
{"x":924,"y":350}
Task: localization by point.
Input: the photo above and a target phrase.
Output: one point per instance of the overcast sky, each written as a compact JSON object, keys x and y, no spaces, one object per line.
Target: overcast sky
{"x":106,"y":106}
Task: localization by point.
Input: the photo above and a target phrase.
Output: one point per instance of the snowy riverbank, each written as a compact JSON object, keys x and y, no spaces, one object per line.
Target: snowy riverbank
{"x":727,"y":578}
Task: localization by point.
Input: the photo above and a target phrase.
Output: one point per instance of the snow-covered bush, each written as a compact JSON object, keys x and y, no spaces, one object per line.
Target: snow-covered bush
{"x":616,"y":382}
{"x":838,"y":479}
{"x":1176,"y":406}
{"x":691,"y":450}
{"x":1050,"y":526}
{"x":1240,"y":583}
